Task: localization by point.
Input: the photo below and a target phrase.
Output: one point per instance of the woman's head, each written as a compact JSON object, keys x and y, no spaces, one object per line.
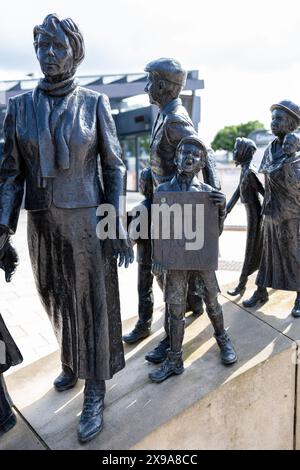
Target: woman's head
{"x":243,"y":150}
{"x":59,"y":46}
{"x":285,"y":118}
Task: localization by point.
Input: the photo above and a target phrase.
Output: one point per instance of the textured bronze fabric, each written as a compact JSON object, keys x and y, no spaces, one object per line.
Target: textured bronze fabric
{"x":13,"y":355}
{"x":77,"y":281}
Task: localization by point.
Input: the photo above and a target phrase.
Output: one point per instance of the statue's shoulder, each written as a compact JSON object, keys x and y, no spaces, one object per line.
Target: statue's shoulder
{"x":21,"y":98}
{"x":178,"y":115}
{"x":89,"y":96}
{"x":87,"y":93}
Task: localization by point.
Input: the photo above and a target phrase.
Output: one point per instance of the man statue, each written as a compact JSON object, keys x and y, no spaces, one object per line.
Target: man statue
{"x":280,"y":260}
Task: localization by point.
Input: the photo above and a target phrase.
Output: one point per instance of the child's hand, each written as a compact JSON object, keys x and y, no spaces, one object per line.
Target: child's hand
{"x":157,"y":269}
{"x":218,"y":198}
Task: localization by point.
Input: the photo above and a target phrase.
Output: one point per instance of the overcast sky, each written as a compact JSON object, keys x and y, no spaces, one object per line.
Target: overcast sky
{"x":247,"y":52}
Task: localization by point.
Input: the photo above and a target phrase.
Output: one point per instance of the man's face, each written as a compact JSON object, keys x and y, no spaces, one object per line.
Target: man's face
{"x":154,"y":88}
{"x":279,"y":123}
{"x":190,"y":159}
{"x":54,"y":54}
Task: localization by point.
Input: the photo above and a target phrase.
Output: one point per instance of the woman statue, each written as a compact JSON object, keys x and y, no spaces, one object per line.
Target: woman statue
{"x":61,"y":140}
{"x":280,"y":261}
{"x":248,"y":192}
{"x":9,"y":352}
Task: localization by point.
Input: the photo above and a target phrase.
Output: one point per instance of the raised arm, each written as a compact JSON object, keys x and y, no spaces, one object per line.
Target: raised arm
{"x":233,"y":200}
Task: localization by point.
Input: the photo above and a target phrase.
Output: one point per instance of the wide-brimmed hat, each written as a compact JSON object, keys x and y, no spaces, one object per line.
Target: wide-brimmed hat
{"x":291,"y":108}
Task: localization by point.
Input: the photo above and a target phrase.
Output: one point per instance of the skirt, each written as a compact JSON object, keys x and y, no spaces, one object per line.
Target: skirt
{"x":77,"y":280}
{"x":9,"y":352}
{"x":280,"y":261}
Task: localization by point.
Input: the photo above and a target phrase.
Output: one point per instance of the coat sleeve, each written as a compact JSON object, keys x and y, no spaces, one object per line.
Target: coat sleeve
{"x":113,"y":168}
{"x":12,"y":173}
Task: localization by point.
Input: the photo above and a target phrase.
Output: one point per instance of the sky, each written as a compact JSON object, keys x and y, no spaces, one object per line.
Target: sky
{"x":247,"y":52}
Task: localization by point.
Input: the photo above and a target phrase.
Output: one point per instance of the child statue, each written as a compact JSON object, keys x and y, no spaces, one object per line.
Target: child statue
{"x":190,"y":159}
{"x":248,"y":192}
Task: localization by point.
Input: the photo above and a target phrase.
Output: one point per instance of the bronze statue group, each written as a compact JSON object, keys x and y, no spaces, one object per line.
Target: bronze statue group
{"x":61,"y":141}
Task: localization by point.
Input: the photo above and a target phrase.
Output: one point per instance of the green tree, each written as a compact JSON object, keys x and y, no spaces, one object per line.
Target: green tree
{"x":225,"y":138}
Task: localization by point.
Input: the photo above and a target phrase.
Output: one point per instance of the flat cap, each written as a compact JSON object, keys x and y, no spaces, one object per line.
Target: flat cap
{"x":291,"y":108}
{"x":168,"y":69}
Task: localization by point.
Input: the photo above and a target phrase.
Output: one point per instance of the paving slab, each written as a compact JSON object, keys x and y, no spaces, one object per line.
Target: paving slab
{"x":276,"y":312}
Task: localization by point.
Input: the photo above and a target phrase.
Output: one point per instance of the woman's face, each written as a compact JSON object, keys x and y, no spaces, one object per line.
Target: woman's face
{"x":54,"y":54}
{"x":236,"y":153}
{"x":280,"y":123}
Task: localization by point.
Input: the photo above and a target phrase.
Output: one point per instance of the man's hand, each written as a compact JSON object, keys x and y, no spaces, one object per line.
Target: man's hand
{"x":122,"y":247}
{"x":157,"y":269}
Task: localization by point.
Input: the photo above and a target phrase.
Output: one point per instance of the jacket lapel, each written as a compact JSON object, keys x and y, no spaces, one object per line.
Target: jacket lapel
{"x":159,"y":122}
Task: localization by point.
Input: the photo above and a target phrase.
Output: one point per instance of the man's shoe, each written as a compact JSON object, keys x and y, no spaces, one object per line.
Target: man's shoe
{"x":91,"y":419}
{"x":197,"y":310}
{"x":66,"y":379}
{"x":159,"y":354}
{"x":140,"y":331}
{"x":228,"y":354}
{"x":8,"y":423}
{"x":173,"y":365}
{"x":238,"y":290}
{"x":259,"y":297}
{"x":296,"y":310}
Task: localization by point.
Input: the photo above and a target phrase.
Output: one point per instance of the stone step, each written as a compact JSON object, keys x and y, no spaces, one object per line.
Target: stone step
{"x":249,"y":405}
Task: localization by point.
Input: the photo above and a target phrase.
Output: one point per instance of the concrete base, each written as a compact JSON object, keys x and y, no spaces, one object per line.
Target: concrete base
{"x":21,"y":437}
{"x":247,"y":406}
{"x":276,"y":312}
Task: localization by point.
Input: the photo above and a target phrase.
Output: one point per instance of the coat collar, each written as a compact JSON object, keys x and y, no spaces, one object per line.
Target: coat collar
{"x":171,"y":106}
{"x":175,"y":184}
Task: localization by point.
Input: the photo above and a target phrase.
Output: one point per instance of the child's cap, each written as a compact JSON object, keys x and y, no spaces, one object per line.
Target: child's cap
{"x":194,"y":140}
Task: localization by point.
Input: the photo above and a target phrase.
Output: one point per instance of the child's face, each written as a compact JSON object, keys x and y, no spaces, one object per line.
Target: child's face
{"x":290,"y":145}
{"x":190,"y":159}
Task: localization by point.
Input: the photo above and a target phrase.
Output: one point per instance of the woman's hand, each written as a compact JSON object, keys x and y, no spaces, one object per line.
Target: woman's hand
{"x":122,"y":247}
{"x":8,"y":260}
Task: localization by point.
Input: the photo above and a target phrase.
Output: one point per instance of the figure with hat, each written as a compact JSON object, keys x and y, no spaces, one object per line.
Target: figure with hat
{"x":166,"y":80}
{"x":61,"y":140}
{"x":191,"y":157}
{"x":280,"y":260}
{"x":9,"y":352}
{"x":248,"y":192}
